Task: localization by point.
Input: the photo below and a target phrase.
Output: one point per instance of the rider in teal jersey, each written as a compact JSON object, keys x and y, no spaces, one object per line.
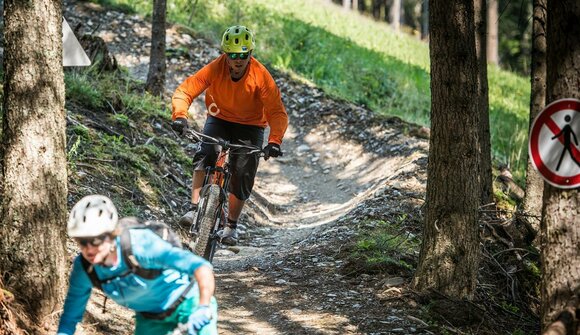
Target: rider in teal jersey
{"x":182,"y":292}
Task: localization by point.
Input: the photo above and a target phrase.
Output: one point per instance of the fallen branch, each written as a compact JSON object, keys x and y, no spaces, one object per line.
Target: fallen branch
{"x":175,"y":178}
{"x":166,"y":202}
{"x":99,"y":160}
{"x":506,"y":273}
{"x":417,"y":320}
{"x":109,"y":183}
{"x":104,"y":128}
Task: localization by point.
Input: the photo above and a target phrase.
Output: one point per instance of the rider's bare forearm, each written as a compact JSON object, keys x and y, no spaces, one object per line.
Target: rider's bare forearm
{"x":206,"y":283}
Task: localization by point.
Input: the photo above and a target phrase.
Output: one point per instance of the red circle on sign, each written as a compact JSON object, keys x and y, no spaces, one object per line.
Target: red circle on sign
{"x":541,"y":120}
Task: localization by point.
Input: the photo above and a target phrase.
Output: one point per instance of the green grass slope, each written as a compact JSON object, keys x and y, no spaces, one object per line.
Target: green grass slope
{"x":119,"y":144}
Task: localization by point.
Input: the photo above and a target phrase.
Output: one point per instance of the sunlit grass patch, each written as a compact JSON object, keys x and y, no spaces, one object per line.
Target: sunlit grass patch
{"x":383,"y":247}
{"x":80,"y":88}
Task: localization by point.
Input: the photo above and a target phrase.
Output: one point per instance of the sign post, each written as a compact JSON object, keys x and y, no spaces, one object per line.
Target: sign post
{"x":554,"y":145}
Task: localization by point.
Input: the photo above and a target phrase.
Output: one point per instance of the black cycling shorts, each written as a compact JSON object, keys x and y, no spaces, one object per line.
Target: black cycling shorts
{"x":243,"y":167}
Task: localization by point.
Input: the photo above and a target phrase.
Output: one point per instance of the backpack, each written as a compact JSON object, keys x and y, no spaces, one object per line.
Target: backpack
{"x":126,"y":224}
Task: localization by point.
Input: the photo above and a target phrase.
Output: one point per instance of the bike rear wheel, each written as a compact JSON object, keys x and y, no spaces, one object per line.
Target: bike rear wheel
{"x":209,"y":215}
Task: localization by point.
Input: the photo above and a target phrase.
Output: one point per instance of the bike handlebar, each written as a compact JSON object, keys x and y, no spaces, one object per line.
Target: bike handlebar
{"x":203,"y":138}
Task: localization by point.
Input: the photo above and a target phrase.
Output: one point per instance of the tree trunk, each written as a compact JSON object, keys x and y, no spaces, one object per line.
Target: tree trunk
{"x":566,"y":323}
{"x":355,"y":5}
{"x":362,"y":6}
{"x":532,"y":204}
{"x":346,"y":4}
{"x":485,"y":174}
{"x":33,"y":218}
{"x":156,"y":75}
{"x":395,"y":14}
{"x":425,"y":20}
{"x":377,"y":4}
{"x":492,"y":32}
{"x":450,"y":250}
{"x":560,"y":253}
{"x":560,"y":228}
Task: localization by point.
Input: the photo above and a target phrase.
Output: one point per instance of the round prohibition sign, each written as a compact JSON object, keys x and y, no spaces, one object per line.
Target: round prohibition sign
{"x":554,"y":143}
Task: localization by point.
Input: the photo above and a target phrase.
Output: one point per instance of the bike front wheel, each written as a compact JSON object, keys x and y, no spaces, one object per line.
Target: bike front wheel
{"x":206,"y":242}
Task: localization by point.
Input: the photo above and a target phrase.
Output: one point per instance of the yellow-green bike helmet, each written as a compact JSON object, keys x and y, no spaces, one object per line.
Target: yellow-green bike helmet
{"x":238,"y":39}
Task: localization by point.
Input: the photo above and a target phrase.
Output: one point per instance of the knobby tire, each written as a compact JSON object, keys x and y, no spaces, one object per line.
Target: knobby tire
{"x":205,"y":246}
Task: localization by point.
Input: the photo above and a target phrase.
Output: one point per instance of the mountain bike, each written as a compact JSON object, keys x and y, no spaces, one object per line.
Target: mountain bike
{"x":212,"y":208}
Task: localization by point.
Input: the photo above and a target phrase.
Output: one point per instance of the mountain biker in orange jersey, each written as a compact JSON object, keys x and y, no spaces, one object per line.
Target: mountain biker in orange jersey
{"x":242,"y":99}
{"x":170,"y":288}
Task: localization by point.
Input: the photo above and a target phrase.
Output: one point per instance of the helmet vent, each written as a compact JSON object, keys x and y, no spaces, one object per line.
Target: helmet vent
{"x":247,"y":37}
{"x":236,"y":41}
{"x":84,"y":218}
{"x":237,"y":30}
{"x":227,"y":37}
{"x":100,"y":212}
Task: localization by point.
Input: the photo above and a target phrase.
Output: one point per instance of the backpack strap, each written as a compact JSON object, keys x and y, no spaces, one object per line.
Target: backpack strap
{"x":88,"y":267}
{"x":131,"y":260}
{"x":174,"y":305}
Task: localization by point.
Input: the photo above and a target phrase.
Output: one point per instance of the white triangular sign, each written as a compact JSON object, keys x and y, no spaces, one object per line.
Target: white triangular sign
{"x":72,"y":51}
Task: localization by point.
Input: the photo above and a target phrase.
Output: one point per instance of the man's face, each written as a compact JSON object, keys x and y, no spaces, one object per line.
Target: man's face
{"x":95,"y":249}
{"x":238,"y":62}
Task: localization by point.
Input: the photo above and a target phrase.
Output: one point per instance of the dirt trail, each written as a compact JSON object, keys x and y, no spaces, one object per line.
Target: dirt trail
{"x":284,"y":277}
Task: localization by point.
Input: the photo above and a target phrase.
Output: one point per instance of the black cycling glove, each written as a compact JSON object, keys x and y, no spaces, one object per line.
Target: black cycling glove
{"x":179,"y":125}
{"x":271,"y":150}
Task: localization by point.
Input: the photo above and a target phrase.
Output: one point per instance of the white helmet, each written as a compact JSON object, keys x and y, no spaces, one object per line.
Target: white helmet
{"x":93,"y":215}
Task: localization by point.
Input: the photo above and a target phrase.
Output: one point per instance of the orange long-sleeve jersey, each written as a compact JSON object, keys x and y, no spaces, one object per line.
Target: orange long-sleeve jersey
{"x":253,"y":100}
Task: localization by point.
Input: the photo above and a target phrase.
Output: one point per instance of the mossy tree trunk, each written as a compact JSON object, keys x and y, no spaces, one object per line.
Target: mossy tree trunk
{"x":33,"y":218}
{"x":561,"y":211}
{"x":480,"y":11}
{"x":450,"y":250}
{"x":157,"y":65}
{"x":532,"y":204}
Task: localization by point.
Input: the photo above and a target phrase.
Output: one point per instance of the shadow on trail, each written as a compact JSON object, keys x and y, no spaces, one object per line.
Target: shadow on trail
{"x":269,"y":318}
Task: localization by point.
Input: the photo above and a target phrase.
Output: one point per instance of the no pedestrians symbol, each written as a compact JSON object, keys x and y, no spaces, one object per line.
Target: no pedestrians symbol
{"x":554,"y":145}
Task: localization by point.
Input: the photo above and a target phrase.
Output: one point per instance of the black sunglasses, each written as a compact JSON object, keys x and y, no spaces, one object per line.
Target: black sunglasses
{"x":94,"y":241}
{"x":240,"y":55}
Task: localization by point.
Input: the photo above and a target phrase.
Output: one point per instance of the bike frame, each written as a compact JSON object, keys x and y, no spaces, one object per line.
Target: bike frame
{"x":220,"y":175}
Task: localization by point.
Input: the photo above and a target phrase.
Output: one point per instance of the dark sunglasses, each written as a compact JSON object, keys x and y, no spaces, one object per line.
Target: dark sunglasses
{"x":94,"y":241}
{"x":240,"y":55}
